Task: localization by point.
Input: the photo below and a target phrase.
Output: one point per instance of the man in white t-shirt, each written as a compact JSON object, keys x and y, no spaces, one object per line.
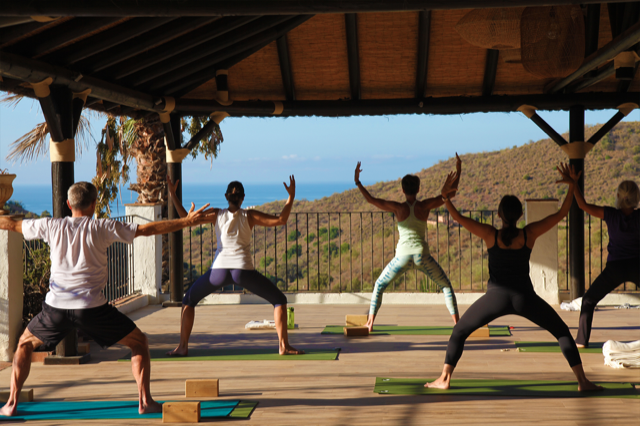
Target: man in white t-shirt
{"x":78,"y":247}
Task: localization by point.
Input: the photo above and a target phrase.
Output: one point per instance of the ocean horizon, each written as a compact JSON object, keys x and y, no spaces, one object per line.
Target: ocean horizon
{"x":37,"y":198}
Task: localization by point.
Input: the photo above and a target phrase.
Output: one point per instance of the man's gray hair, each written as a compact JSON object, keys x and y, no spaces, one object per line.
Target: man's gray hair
{"x":628,"y":195}
{"x":81,"y":195}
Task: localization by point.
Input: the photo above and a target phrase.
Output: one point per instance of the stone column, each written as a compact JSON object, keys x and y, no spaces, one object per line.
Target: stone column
{"x":147,"y":252}
{"x":544,"y":257}
{"x":11,"y":292}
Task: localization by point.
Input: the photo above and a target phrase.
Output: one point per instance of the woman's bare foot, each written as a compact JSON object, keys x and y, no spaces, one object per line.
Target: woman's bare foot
{"x":441,"y":383}
{"x":587,"y":386}
{"x":290,"y":350}
{"x":150,"y":407}
{"x":179,"y":351}
{"x":9,"y":410}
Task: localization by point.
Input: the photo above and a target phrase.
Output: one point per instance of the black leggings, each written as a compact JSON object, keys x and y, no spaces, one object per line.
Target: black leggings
{"x":249,"y":279}
{"x":615,"y":273}
{"x":499,"y":301}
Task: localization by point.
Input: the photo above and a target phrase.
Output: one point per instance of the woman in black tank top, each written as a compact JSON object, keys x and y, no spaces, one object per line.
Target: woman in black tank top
{"x":510,"y":291}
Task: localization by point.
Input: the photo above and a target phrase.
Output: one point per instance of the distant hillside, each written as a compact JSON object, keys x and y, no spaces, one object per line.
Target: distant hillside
{"x":526,"y":171}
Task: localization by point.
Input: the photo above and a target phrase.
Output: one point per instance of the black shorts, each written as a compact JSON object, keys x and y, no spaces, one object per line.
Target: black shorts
{"x":104,"y":324}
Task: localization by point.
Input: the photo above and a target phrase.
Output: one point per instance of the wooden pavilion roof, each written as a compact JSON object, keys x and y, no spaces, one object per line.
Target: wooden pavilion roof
{"x":353,"y":58}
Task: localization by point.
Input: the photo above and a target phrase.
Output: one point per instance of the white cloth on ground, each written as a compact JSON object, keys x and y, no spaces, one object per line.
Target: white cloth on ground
{"x":256,"y":325}
{"x":78,"y":256}
{"x":574,"y":305}
{"x":621,"y":355}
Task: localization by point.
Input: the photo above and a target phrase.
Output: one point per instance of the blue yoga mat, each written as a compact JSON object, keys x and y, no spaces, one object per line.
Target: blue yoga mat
{"x":95,"y":410}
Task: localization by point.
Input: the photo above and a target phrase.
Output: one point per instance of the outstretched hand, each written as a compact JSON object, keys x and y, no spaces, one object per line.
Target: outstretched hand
{"x":356,"y":177}
{"x":172,"y":187}
{"x":291,"y":189}
{"x":568,"y":174}
{"x":458,"y":164}
{"x":449,"y":183}
{"x":202,"y":215}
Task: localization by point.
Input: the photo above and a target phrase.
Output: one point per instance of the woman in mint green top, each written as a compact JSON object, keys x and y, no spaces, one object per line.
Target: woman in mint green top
{"x":412,"y":248}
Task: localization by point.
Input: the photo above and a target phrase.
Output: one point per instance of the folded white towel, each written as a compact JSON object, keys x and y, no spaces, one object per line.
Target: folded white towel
{"x":255,"y":325}
{"x":574,"y":305}
{"x":621,"y":355}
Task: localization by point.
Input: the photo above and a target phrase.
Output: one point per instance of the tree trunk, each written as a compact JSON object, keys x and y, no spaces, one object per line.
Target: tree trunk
{"x":149,"y":152}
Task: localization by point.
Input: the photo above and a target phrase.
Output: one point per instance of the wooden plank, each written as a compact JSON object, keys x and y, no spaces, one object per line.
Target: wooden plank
{"x":181,"y":412}
{"x":356,"y":331}
{"x":355,"y":320}
{"x":201,"y":388}
{"x":26,"y":395}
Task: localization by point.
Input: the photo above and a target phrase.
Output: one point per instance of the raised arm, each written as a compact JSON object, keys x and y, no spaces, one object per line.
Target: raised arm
{"x":486,"y":232}
{"x":435,"y":202}
{"x":167,"y":226}
{"x":535,"y":229}
{"x":262,"y":219}
{"x":386,"y":205}
{"x":174,"y":198}
{"x":592,"y":209}
{"x":9,"y":224}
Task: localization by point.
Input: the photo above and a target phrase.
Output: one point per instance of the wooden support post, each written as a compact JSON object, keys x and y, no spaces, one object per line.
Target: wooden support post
{"x":424,"y":30}
{"x":356,"y":331}
{"x":576,"y":215}
{"x":351,"y":23}
{"x":530,"y":113}
{"x":490,"y":69}
{"x":181,"y":412}
{"x":285,"y":68}
{"x":355,"y":320}
{"x":176,"y":280}
{"x":201,"y":388}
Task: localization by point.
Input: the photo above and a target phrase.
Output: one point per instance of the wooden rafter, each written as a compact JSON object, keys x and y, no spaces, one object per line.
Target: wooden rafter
{"x":351,"y":24}
{"x":285,"y":68}
{"x":490,"y":69}
{"x":424,"y":30}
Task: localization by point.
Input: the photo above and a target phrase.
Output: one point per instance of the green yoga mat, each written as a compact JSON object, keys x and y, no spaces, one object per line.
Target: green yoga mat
{"x":240,"y":355}
{"x":530,"y":388}
{"x":383,"y":330}
{"x":111,"y":410}
{"x":594,"y":348}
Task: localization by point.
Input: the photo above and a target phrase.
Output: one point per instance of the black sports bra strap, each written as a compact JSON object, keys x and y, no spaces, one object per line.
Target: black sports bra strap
{"x":496,"y":241}
{"x":524,"y":231}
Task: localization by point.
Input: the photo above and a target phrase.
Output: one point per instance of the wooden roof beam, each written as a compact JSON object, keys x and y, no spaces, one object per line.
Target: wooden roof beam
{"x":424,"y":31}
{"x":179,"y":45}
{"x":490,"y":69}
{"x":206,"y":130}
{"x":351,"y":24}
{"x":621,"y":43}
{"x":157,"y":8}
{"x":631,"y":15}
{"x":105,"y":40}
{"x":14,"y":20}
{"x":592,"y":32}
{"x":151,"y":39}
{"x":439,"y":106}
{"x":204,"y":64}
{"x":285,"y":68}
{"x":200,"y":57}
{"x":191,"y":82}
{"x":623,"y":111}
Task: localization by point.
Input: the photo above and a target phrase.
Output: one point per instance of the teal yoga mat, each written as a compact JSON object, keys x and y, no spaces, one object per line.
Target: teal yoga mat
{"x":594,"y":348}
{"x":382,"y":330}
{"x":240,"y":355}
{"x":527,"y":388}
{"x":111,"y":410}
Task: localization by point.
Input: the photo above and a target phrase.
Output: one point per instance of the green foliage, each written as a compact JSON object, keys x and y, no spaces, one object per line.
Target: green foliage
{"x":295,"y":250}
{"x":325,"y":234}
{"x":320,"y":282}
{"x":309,"y":238}
{"x":36,"y":273}
{"x":330,"y":248}
{"x":45,"y":213}
{"x":636,"y":149}
{"x":208,"y":145}
{"x":198,"y":231}
{"x":607,"y":157}
{"x":293,"y":235}
{"x":265,"y":262}
{"x":344,"y":248}
{"x":636,"y":158}
{"x":526,"y":176}
{"x":606,"y":143}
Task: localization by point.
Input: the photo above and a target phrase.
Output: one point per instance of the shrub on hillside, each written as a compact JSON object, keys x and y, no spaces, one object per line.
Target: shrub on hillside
{"x":293,"y":235}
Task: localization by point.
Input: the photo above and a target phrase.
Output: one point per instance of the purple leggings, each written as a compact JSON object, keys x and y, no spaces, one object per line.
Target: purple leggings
{"x":249,"y":279}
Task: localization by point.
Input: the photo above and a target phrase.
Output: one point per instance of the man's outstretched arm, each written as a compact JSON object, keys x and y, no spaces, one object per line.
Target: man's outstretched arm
{"x":167,"y":226}
{"x":9,"y":224}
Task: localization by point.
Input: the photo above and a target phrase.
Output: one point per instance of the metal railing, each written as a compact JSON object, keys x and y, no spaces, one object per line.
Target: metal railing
{"x":120,"y":265}
{"x":346,"y":252}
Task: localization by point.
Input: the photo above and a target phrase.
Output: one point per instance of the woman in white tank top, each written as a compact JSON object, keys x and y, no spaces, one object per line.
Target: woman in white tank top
{"x":233,"y":264}
{"x":412,"y":249}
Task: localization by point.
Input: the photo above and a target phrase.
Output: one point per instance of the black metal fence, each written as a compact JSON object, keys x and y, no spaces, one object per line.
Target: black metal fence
{"x":120,"y":264}
{"x":347,"y":251}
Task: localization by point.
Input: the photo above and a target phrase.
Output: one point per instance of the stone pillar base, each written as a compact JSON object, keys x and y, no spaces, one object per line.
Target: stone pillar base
{"x":11,"y":293}
{"x":544,"y":257}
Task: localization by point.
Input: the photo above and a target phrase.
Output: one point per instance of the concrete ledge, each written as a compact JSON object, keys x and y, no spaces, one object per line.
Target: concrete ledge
{"x":133,"y":303}
{"x":616,"y":299}
{"x":341,"y":298}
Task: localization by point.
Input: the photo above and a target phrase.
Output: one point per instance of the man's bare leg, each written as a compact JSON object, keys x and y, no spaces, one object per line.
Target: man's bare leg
{"x":141,"y":368}
{"x":21,"y":367}
{"x":370,"y":321}
{"x":584,"y":385}
{"x":186,"y":325}
{"x":443,"y":381}
{"x":280,"y":316}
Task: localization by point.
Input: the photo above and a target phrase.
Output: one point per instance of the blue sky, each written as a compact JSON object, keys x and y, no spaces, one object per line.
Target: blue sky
{"x":266,"y":150}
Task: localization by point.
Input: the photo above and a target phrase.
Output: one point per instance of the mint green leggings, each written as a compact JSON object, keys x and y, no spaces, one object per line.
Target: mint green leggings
{"x":401,"y":264}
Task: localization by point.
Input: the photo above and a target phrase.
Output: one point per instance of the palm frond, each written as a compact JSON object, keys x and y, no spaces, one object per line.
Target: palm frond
{"x":12,"y":99}
{"x":31,"y":145}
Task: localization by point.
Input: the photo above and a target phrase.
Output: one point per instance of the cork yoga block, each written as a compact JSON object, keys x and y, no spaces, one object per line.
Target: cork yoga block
{"x":199,"y":388}
{"x":355,"y":320}
{"x":481,"y":332}
{"x":181,"y":412}
{"x":356,"y":331}
{"x":26,"y":395}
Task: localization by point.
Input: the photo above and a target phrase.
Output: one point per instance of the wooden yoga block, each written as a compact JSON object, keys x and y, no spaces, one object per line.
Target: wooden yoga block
{"x":181,"y":412}
{"x":481,"y":332}
{"x":39,"y":356}
{"x":26,"y":395}
{"x":198,"y":388}
{"x":83,"y":348}
{"x":356,"y":331}
{"x":355,"y":320}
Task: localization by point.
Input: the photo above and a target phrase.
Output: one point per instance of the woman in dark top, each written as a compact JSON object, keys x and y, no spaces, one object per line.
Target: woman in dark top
{"x":623,"y":261}
{"x":510,"y":290}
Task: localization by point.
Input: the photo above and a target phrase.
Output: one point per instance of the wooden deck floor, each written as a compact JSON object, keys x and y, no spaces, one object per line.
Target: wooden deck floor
{"x":341,"y":392}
